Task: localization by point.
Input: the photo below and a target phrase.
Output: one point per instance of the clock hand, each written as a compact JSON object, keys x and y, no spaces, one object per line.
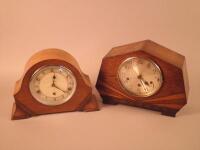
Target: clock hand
{"x":54,"y":78}
{"x":54,"y":85}
{"x":59,"y":88}
{"x":145,"y":82}
{"x":140,"y":77}
{"x":144,"y":85}
{"x":136,"y":70}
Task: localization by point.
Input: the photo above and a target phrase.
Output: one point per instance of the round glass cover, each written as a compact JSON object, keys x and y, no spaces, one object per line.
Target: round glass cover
{"x":53,"y":85}
{"x":140,"y":76}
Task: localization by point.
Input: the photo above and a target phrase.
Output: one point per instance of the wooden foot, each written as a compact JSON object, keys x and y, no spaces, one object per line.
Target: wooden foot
{"x":169,"y":113}
{"x":108,"y":100}
{"x":92,"y":105}
{"x":18,"y":113}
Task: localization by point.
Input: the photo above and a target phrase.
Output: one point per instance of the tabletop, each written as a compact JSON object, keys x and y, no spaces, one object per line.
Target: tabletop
{"x":88,"y":30}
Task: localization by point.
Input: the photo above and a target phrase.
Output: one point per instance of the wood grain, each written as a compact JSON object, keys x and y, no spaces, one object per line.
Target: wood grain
{"x":171,"y":97}
{"x":26,"y":106}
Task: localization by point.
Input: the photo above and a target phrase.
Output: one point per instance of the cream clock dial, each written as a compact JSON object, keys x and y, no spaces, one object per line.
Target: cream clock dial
{"x":52,"y":85}
{"x":140,"y":77}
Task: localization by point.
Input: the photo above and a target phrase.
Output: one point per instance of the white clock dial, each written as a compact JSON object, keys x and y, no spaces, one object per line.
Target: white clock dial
{"x":140,"y":77}
{"x":52,"y":85}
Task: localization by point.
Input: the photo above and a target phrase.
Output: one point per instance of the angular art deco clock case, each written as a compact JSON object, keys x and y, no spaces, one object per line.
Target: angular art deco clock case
{"x":52,"y":83}
{"x":144,"y":74}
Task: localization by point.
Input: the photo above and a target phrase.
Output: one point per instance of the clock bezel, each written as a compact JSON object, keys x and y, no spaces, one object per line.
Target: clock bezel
{"x":65,"y":100}
{"x":132,"y":93}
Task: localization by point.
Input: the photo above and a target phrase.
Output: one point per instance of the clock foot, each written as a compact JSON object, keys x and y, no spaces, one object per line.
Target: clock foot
{"x":92,"y":105}
{"x":18,"y":113}
{"x":108,"y":100}
{"x":169,"y":113}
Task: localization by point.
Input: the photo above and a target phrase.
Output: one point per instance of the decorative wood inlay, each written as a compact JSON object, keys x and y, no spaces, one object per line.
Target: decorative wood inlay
{"x":170,"y":98}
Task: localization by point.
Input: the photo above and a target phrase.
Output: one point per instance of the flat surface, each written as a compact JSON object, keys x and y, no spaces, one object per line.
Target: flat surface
{"x":88,"y":30}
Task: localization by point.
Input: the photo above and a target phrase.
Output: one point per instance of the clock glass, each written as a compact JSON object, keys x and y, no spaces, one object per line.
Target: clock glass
{"x":52,"y":85}
{"x":140,"y":76}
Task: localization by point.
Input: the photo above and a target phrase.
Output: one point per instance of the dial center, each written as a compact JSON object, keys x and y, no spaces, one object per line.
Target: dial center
{"x":140,"y":76}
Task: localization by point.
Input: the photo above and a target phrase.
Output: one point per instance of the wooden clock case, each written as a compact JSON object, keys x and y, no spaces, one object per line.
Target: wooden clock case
{"x":26,"y":106}
{"x":173,"y":94}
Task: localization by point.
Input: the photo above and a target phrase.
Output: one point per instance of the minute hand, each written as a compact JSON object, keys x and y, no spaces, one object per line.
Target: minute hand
{"x":54,"y":85}
{"x":136,"y":70}
{"x":143,"y":84}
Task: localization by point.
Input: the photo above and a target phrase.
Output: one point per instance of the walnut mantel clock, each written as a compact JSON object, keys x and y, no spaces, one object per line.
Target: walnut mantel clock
{"x":144,"y":74}
{"x":52,"y":83}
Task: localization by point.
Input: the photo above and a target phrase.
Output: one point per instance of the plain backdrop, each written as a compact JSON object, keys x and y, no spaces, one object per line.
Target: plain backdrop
{"x":88,"y":29}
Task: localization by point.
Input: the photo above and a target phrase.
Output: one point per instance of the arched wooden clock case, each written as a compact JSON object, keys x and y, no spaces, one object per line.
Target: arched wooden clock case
{"x":26,"y":106}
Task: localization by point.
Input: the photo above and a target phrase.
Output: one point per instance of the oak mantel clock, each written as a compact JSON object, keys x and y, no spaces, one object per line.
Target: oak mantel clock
{"x":52,"y":83}
{"x":144,"y":74}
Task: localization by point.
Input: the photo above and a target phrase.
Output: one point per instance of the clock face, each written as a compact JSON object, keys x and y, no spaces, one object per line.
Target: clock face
{"x":53,"y":85}
{"x":140,"y":77}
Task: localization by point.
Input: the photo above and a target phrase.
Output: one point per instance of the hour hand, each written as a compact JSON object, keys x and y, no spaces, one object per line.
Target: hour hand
{"x":54,"y":78}
{"x":54,"y":85}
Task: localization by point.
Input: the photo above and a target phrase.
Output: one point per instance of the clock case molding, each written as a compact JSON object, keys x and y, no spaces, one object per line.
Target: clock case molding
{"x":173,"y":94}
{"x":26,"y":106}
